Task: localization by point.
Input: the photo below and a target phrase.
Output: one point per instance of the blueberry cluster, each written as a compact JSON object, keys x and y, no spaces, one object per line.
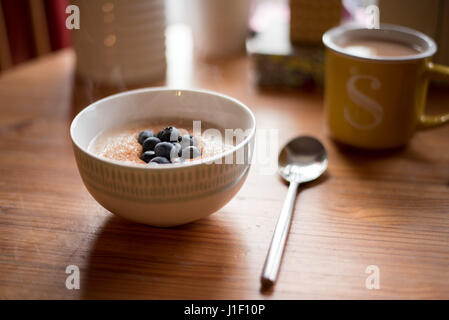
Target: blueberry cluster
{"x":167,"y":146}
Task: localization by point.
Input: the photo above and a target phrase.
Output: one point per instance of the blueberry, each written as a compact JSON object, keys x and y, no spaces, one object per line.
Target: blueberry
{"x":190,"y":152}
{"x":150,"y":143}
{"x":160,"y":160}
{"x":147,"y":156}
{"x":168,"y":134}
{"x":188,"y":140}
{"x":145,"y":135}
{"x":164,"y":149}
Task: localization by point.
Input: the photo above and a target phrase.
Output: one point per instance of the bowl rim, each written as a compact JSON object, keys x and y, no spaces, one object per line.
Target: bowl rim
{"x":209,"y":160}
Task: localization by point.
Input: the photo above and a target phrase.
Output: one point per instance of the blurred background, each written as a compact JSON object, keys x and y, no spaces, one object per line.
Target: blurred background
{"x":129,"y":43}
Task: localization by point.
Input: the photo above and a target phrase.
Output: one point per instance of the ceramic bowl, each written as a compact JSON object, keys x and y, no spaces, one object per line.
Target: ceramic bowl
{"x":164,"y":195}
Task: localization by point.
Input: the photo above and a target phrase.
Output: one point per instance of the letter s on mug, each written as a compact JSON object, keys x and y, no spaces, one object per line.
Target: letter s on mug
{"x":364,"y":102}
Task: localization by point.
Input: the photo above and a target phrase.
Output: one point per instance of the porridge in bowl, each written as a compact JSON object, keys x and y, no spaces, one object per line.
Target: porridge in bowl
{"x":158,"y":141}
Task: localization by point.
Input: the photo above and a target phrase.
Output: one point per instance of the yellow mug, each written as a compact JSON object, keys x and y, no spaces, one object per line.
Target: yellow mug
{"x":378,"y":102}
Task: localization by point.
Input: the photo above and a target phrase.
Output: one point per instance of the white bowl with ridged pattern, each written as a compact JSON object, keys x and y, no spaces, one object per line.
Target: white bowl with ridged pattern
{"x":165,"y":195}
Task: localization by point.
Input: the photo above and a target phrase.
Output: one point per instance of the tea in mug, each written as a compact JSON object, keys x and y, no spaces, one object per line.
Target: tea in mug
{"x":375,"y":48}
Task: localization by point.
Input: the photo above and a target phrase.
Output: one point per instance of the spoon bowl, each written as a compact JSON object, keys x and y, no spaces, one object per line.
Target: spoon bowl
{"x":303,"y":159}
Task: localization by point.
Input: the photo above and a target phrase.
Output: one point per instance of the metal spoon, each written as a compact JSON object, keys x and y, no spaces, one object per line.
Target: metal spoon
{"x":302,"y":160}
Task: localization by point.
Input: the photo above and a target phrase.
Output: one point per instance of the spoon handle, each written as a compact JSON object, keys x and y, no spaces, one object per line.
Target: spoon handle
{"x":274,"y":256}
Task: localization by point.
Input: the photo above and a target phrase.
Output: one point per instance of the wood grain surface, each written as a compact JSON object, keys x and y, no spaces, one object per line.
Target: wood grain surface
{"x":389,"y":209}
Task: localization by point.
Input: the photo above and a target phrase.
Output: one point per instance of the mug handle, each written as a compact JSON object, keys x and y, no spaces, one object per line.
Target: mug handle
{"x":436,"y":71}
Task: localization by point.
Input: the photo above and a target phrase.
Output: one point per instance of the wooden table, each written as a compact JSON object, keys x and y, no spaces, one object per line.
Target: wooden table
{"x":388,"y":209}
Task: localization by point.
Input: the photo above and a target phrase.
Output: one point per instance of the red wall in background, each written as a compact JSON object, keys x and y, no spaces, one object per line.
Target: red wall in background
{"x":19,"y":27}
{"x":56,"y":16}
